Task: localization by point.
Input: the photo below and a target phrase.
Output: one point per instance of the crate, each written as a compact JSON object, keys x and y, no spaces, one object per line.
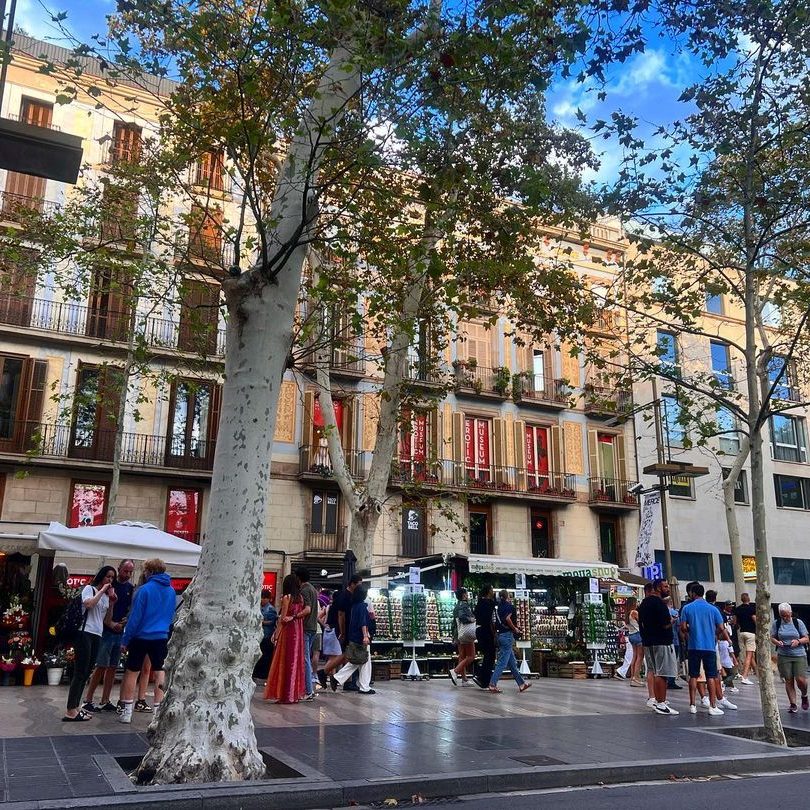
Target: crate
{"x":578,"y":670}
{"x":381,"y":671}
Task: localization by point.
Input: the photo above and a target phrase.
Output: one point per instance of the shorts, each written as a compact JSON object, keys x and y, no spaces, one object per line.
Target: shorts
{"x":748,"y":641}
{"x":792,"y":666}
{"x":109,"y":649}
{"x":634,"y":639}
{"x":139,"y":648}
{"x":705,"y":658}
{"x":661,"y":660}
{"x":316,"y":643}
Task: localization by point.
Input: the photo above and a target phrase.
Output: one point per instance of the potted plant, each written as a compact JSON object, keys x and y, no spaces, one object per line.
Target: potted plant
{"x":15,"y":617}
{"x":502,"y":380}
{"x":7,"y":666}
{"x":55,"y":663}
{"x":29,"y":665}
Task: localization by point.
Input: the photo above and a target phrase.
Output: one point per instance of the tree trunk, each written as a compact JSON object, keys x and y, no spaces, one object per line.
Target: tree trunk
{"x":731,"y":518}
{"x":204,"y":730}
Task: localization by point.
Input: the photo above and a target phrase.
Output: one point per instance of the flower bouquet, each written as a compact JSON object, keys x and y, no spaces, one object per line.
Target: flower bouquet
{"x":18,"y":643}
{"x":7,"y":666}
{"x":15,"y":616}
{"x":29,"y":665}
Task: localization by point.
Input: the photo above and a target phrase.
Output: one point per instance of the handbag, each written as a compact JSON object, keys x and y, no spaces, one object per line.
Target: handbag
{"x":356,"y":654}
{"x":465,"y":632}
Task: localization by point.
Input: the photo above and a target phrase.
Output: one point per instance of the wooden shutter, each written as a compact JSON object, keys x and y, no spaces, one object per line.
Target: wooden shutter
{"x":23,"y":191}
{"x":435,"y":448}
{"x":36,"y":401}
{"x":308,"y":425}
{"x":213,"y":421}
{"x":37,"y":113}
{"x":459,"y":474}
{"x":519,"y":438}
{"x":499,"y":450}
{"x":126,"y":142}
{"x":556,"y":450}
{"x":347,"y":431}
{"x":593,"y":455}
{"x":199,"y":317}
{"x":621,"y":464}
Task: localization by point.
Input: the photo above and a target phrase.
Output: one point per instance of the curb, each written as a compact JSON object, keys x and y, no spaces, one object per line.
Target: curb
{"x":306,"y":794}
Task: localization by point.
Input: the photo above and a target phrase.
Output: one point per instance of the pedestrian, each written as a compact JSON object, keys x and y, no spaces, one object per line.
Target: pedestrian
{"x":507,"y":633}
{"x":343,"y":601}
{"x":309,"y":616}
{"x":728,"y":660}
{"x":269,"y":619}
{"x":331,"y":646}
{"x":147,"y":634}
{"x":109,"y":648}
{"x":485,"y":635}
{"x":672,"y":683}
{"x":731,"y":625}
{"x":789,"y":636}
{"x":700,"y":623}
{"x":463,"y":636}
{"x":722,"y":700}
{"x":634,"y":638}
{"x":96,"y":599}
{"x":286,"y":682}
{"x":746,"y":615}
{"x":655,"y":626}
{"x":358,"y":653}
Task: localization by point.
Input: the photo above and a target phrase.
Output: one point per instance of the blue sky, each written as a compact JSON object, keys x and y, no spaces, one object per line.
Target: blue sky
{"x":647,"y":86}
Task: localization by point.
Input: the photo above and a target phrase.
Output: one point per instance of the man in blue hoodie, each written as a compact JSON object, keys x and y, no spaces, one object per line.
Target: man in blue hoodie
{"x":147,"y":633}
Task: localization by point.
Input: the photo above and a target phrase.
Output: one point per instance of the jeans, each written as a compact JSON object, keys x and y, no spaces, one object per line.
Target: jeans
{"x":86,"y":651}
{"x":506,"y":659}
{"x":308,"y":639}
{"x":486,"y":645}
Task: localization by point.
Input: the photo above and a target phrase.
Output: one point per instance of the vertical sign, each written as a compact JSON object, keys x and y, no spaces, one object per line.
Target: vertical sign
{"x":414,"y":575}
{"x":644,"y":552}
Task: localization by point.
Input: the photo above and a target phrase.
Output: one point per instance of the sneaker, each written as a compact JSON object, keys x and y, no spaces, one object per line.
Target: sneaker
{"x":310,"y":696}
{"x":454,"y":677}
{"x":467,"y":683}
{"x":705,"y":702}
{"x":89,"y":706}
{"x":793,"y":708}
{"x":119,"y":706}
{"x":733,"y":690}
{"x":715,"y":712}
{"x":333,"y":682}
{"x":652,"y":703}
{"x":476,"y":682}
{"x":663,"y":708}
{"x":142,"y":706}
{"x":746,"y":681}
{"x":126,"y":714}
{"x":620,"y":676}
{"x":693,"y":709}
{"x":367,"y":691}
{"x":726,"y":704}
{"x":108,"y":707}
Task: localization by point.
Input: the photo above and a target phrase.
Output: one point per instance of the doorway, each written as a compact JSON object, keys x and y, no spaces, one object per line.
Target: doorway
{"x":480,"y":525}
{"x":609,"y":540}
{"x":541,"y":533}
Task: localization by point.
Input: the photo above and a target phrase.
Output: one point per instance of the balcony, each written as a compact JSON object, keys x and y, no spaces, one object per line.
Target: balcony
{"x":545,"y":391}
{"x":83,"y":321}
{"x":18,"y":208}
{"x":506,"y":481}
{"x":604,"y":401}
{"x":205,"y":179}
{"x":491,"y":383}
{"x":611,"y":494}
{"x":34,"y":123}
{"x":208,"y":250}
{"x":44,"y":440}
{"x":423,"y":372}
{"x":329,"y":542}
{"x":604,"y":323}
{"x":127,"y":150}
{"x":314,"y":462}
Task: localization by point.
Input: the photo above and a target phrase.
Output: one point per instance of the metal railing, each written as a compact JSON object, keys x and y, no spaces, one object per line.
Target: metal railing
{"x":325,"y":541}
{"x":17,"y":207}
{"x":538,"y":388}
{"x":495,"y":478}
{"x":55,"y":440}
{"x":78,"y":319}
{"x":611,"y":491}
{"x":314,"y":461}
{"x":201,"y":248}
{"x":113,"y":152}
{"x":482,"y":380}
{"x":348,"y":356}
{"x":210,"y":180}
{"x":423,"y":371}
{"x":604,"y":399}
{"x":18,"y":117}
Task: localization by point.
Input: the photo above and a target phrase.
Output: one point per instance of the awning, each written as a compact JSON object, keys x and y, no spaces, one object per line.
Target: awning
{"x":629,"y":578}
{"x":125,"y":540}
{"x":486,"y":564}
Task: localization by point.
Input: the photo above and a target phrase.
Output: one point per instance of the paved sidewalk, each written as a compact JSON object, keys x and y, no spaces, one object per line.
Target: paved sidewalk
{"x":406,"y":731}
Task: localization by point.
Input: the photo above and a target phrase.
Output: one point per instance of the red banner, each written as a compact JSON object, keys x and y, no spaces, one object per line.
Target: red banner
{"x":88,"y":505}
{"x":269,"y":581}
{"x":469,"y":444}
{"x":183,"y":514}
{"x":420,"y":437}
{"x":317,"y":413}
{"x":482,"y":442}
{"x":180,"y":583}
{"x":530,"y":449}
{"x":79,"y":580}
{"x":537,"y":450}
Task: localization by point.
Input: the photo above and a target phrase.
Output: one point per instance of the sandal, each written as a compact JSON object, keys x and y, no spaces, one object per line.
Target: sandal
{"x":495,"y":690}
{"x":81,"y":717}
{"x":524,"y":686}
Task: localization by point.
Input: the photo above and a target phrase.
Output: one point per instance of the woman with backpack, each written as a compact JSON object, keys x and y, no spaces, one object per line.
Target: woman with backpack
{"x":96,"y":598}
{"x":789,"y":636}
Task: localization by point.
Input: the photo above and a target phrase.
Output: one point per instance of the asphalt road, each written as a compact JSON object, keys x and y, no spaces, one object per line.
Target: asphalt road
{"x":778,"y":790}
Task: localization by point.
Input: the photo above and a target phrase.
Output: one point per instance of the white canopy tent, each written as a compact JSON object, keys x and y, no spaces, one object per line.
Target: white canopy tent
{"x":125,"y":540}
{"x":546,"y":566}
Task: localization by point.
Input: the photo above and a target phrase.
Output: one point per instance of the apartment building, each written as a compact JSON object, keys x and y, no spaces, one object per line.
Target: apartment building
{"x":57,"y":434}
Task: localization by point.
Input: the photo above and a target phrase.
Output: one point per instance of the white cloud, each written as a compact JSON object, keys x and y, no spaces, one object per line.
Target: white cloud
{"x":647,"y":69}
{"x":34,"y":19}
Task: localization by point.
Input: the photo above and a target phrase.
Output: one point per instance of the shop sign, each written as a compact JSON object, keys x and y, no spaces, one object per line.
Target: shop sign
{"x":180,"y":583}
{"x":520,"y":581}
{"x":269,"y":580}
{"x":79,"y":580}
{"x":593,"y":585}
{"x":652,"y":572}
{"x":414,"y":575}
{"x":544,"y":568}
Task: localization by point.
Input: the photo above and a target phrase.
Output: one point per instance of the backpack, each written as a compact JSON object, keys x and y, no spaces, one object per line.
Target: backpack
{"x":73,"y":619}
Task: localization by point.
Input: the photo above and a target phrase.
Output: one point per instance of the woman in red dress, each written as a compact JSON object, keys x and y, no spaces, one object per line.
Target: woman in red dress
{"x":285,"y":682}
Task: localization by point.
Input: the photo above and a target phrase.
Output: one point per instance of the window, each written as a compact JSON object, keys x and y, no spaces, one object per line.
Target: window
{"x":788,"y":442}
{"x":421,"y":357}
{"x":125,"y":146}
{"x":536,"y":450}
{"x":727,"y":569}
{"x":688,"y":565}
{"x":771,"y":314}
{"x":184,"y":513}
{"x":608,"y":540}
{"x":714,"y":304}
{"x":740,"y":487}
{"x":199,"y":317}
{"x":667,"y":352}
{"x":680,"y":486}
{"x":205,"y":233}
{"x":209,"y":171}
{"x":792,"y":492}
{"x":728,"y":439}
{"x":413,"y":446}
{"x":37,"y":113}
{"x":607,"y":455}
{"x":324,"y":512}
{"x":780,"y":376}
{"x":11,"y":379}
{"x":95,"y":412}
{"x":193,"y":422}
{"x":540,"y":533}
{"x":721,"y":363}
{"x":477,"y":437}
{"x":414,"y":531}
{"x":673,"y":427}
{"x":791,"y":571}
{"x":88,"y":504}
{"x":109,"y":307}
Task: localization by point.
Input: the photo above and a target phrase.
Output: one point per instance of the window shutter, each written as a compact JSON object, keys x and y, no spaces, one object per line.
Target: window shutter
{"x":36,"y":401}
{"x":37,"y":113}
{"x":499,"y":450}
{"x":621,"y":466}
{"x":213,"y":419}
{"x":802,"y":438}
{"x":308,"y":425}
{"x":24,"y":190}
{"x":435,"y":449}
{"x":519,"y":437}
{"x":458,"y":447}
{"x":347,"y":426}
{"x":557,"y":449}
{"x":593,"y":455}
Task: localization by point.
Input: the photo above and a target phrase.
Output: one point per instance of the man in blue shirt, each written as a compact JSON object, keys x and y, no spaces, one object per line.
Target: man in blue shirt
{"x":269,"y":620}
{"x":701,"y":623}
